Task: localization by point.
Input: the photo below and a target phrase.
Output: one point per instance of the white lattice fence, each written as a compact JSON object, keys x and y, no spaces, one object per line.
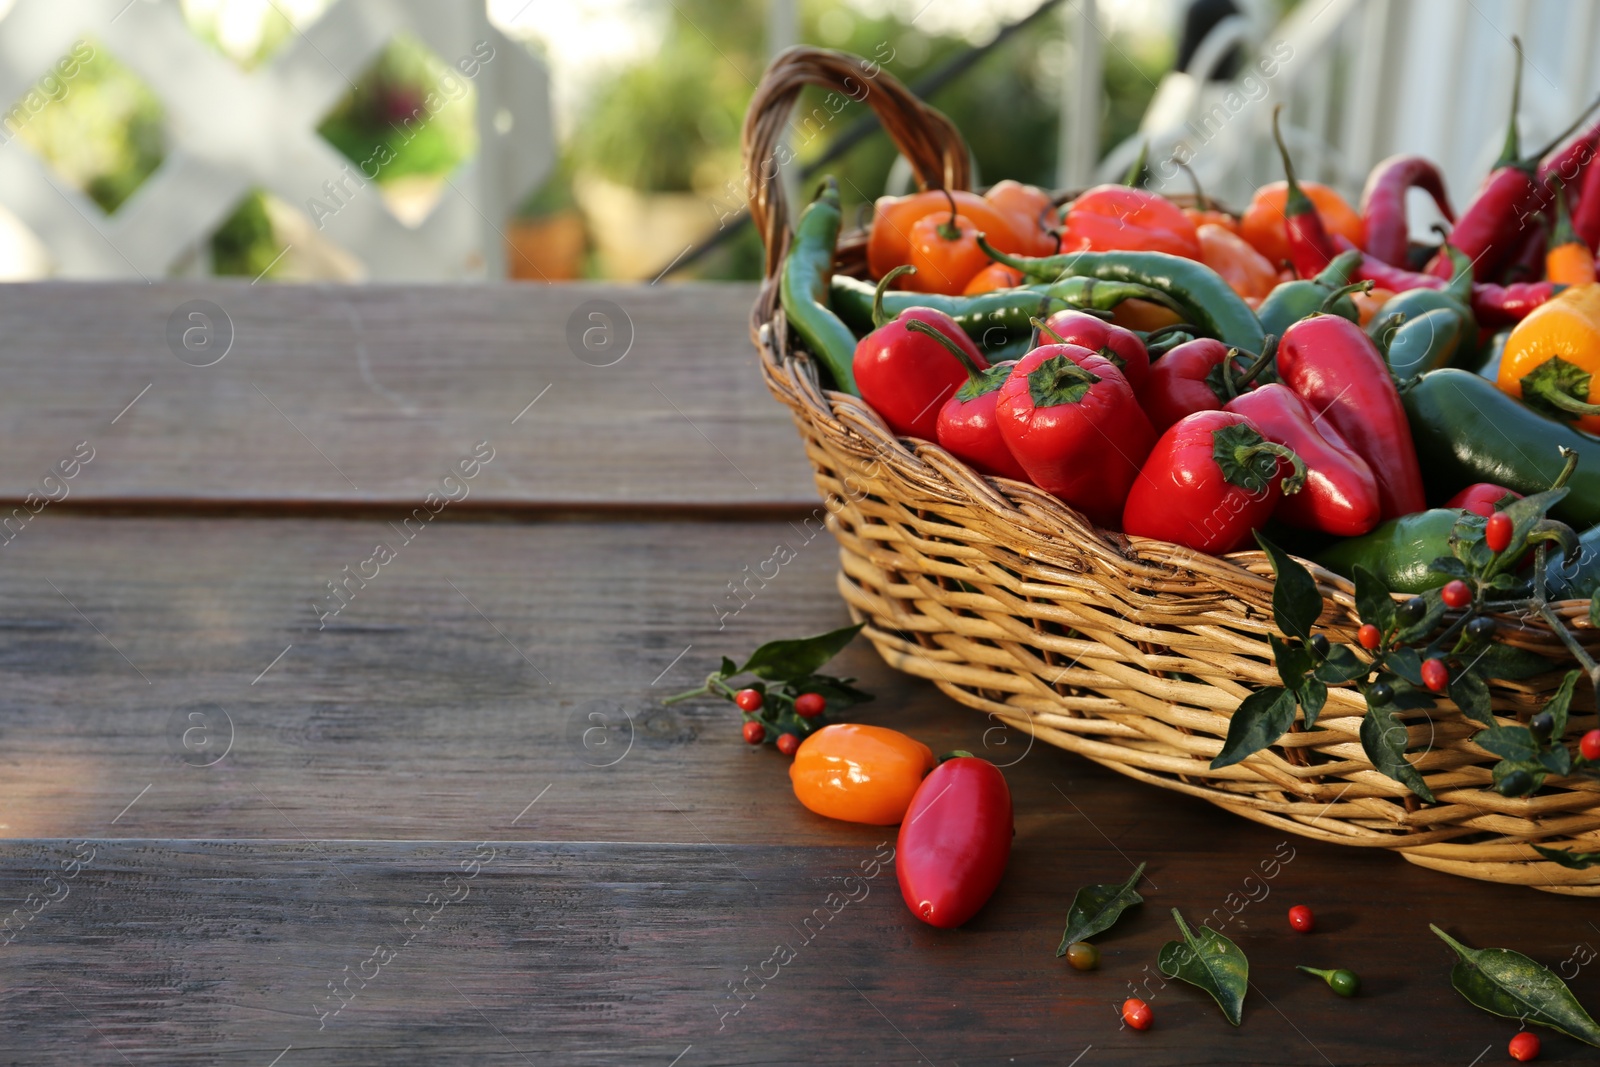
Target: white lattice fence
{"x":228,"y":131}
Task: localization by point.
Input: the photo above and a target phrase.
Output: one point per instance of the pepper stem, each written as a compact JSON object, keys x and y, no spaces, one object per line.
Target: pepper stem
{"x":1028,"y":267}
{"x":949,"y":230}
{"x":878,"y":317}
{"x":1531,"y":161}
{"x":1163,"y":331}
{"x":1201,"y":200}
{"x":918,"y":326}
{"x":1244,"y":454}
{"x":1513,"y":145}
{"x":1044,"y":327}
{"x":1135,"y":176}
{"x":1569,"y":463}
{"x":1297,"y":203}
{"x":1551,"y":394}
{"x":1342,"y":292}
{"x":1320,"y":972}
{"x":1460,"y":287}
{"x":1269,"y":351}
{"x":1563,"y":234}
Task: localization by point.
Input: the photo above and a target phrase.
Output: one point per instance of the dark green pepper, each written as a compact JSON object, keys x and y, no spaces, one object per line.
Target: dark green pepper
{"x":803,"y":287}
{"x":1398,"y":551}
{"x":1292,"y":301}
{"x":1490,"y":356}
{"x":1199,"y":292}
{"x":1422,"y":344}
{"x":1455,"y":297}
{"x":1466,"y":430}
{"x":1580,"y":579}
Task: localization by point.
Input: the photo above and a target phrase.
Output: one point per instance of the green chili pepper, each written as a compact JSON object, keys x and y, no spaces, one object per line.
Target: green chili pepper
{"x":1580,"y":579}
{"x":1398,"y":551}
{"x":803,"y":287}
{"x":1343,"y":982}
{"x":1466,"y":430}
{"x":1422,"y":344}
{"x":1490,"y":354}
{"x":1200,"y":293}
{"x":1292,"y":301}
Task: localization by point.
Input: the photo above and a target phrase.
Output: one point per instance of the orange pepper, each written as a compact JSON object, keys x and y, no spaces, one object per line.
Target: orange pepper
{"x":1143,"y":316}
{"x":1032,"y":214}
{"x":1552,"y":358}
{"x":889,"y":243}
{"x":1246,"y":271}
{"x":859,"y":773}
{"x":994,"y":276}
{"x":1367,"y":303}
{"x":945,"y":251}
{"x":1116,"y":217}
{"x":1212,"y":217}
{"x":1264,"y":223}
{"x":1569,"y":260}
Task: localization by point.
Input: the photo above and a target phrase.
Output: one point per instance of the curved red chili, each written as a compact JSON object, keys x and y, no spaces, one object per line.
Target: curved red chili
{"x":1310,"y":247}
{"x":1383,"y":203}
{"x":1503,"y":305}
{"x":955,"y":841}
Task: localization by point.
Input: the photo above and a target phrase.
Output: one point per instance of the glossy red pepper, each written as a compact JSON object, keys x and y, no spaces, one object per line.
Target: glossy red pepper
{"x":1210,"y":481}
{"x":1504,"y":305}
{"x":968,"y":428}
{"x":1341,"y":375}
{"x":905,"y":376}
{"x":1109,"y":218}
{"x":1482,"y":498}
{"x":955,"y":841}
{"x":1340,"y":495}
{"x":1122,"y":347}
{"x":1586,"y":209}
{"x":1071,"y":420}
{"x":1525,"y":260}
{"x":1383,"y":203}
{"x":1570,"y":164}
{"x":1185,"y":380}
{"x":1310,"y":247}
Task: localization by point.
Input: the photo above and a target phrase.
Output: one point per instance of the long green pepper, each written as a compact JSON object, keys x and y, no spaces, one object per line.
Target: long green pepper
{"x":803,"y":287}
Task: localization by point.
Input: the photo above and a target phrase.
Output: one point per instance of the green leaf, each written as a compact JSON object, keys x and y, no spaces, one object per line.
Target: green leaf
{"x":1471,"y":694}
{"x":1578,"y":861}
{"x":1557,"y":760}
{"x":1509,"y":984}
{"x":1509,"y":664}
{"x":1293,"y":661}
{"x":778,"y":661}
{"x":1505,"y":768}
{"x":1373,"y":602}
{"x":1383,"y":739}
{"x":1406,"y":663}
{"x":1313,"y":695}
{"x":1449,"y":565}
{"x":1096,"y":908}
{"x":728,"y":668}
{"x":1430,"y":618}
{"x":1515,"y":743}
{"x":1342,"y":665}
{"x":1296,"y":602}
{"x":1530,"y":509}
{"x":1211,"y":962}
{"x":1261,"y":718}
{"x":838,"y":692}
{"x":1594,"y":611}
{"x":1559,"y":704}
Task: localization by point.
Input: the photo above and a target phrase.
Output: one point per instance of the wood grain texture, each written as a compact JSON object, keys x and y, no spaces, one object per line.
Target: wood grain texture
{"x":222,"y":952}
{"x":392,"y":385}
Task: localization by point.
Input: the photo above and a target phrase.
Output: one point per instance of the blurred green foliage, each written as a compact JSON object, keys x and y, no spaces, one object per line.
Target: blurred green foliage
{"x":245,"y":244}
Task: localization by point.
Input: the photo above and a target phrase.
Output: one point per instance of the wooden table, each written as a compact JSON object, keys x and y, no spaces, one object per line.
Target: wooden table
{"x":452,"y":822}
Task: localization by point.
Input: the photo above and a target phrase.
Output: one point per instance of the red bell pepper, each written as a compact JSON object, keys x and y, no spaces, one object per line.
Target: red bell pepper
{"x":1197,"y":375}
{"x":1483,"y":498}
{"x":1210,"y":481}
{"x":906,"y":376}
{"x":1310,"y":247}
{"x":1337,"y":370}
{"x":1383,"y":203}
{"x":1071,"y":420}
{"x":955,"y":841}
{"x":1122,"y":347}
{"x":967,"y":426}
{"x":1340,"y":494}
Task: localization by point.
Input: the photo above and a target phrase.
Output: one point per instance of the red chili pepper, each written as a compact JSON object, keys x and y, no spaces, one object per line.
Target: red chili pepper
{"x":1190,"y":378}
{"x":905,"y":376}
{"x":955,"y":841}
{"x":1310,"y":247}
{"x":1122,"y":347}
{"x":1071,"y":420}
{"x":968,"y":428}
{"x":1385,"y":276}
{"x":1209,"y":482}
{"x":1340,"y":494}
{"x":1586,"y":210}
{"x":1342,"y":376}
{"x":1504,"y":305}
{"x":1569,"y":164}
{"x":1525,"y":261}
{"x":1482,"y":498}
{"x":1383,"y":203}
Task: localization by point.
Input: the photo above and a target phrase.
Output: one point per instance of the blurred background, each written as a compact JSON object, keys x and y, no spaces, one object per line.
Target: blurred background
{"x":458,"y":140}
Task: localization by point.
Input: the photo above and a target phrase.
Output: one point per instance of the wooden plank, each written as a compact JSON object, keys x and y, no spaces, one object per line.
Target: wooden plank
{"x":373,"y":394}
{"x":520,"y":952}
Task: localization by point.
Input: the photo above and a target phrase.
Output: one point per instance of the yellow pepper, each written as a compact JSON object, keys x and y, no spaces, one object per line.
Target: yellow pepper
{"x":1552,"y":358}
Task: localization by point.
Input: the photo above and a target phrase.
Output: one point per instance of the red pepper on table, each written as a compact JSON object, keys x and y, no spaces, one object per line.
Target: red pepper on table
{"x":1482,"y":498}
{"x":905,"y":376}
{"x":1191,"y":377}
{"x":1209,"y":482}
{"x":1122,"y":347}
{"x":1342,"y":376}
{"x":967,"y":427}
{"x":955,"y":841}
{"x":1310,"y":247}
{"x":1383,"y":203}
{"x":1340,"y":495}
{"x":1071,"y":420}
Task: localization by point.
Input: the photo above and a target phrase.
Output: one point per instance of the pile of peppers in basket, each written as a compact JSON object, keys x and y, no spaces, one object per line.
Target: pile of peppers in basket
{"x":1180,"y":373}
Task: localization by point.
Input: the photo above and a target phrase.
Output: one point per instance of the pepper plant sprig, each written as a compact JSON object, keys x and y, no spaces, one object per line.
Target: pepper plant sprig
{"x":1406,"y":655}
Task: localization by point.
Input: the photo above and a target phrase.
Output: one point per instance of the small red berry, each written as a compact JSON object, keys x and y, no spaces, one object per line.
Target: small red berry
{"x":1301,"y":919}
{"x":755,"y":733}
{"x":749,"y":700}
{"x":1456,"y":594}
{"x":1435,"y":675}
{"x":1497,"y":532}
{"x":809,"y":705}
{"x":787,"y":743}
{"x":1369,"y":636}
{"x":1589,"y":746}
{"x":1136,"y":1013}
{"x":1524,"y":1047}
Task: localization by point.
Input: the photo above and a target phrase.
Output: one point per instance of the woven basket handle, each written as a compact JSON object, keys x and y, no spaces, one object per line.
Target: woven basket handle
{"x":928,"y":140}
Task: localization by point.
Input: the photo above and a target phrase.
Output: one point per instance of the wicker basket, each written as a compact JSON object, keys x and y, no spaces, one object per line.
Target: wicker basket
{"x":1129,"y":651}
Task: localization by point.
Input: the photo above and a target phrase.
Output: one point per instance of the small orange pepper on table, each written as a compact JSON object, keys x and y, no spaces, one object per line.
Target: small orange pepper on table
{"x":1552,"y":358}
{"x":1265,"y":222}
